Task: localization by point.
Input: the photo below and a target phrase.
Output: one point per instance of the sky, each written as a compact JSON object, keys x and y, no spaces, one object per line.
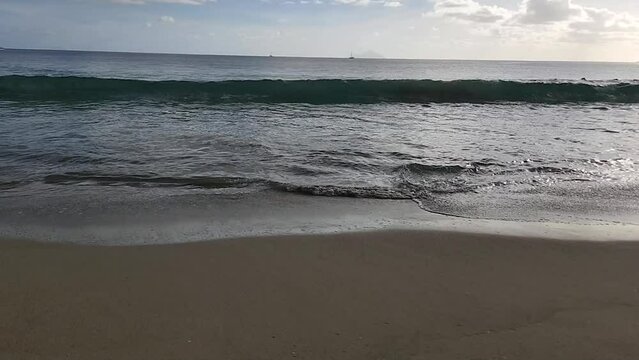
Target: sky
{"x":589,"y":30}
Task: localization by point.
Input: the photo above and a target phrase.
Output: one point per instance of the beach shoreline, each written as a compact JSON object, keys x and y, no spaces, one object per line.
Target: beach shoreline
{"x":169,"y":207}
{"x":123,"y":217}
{"x":369,"y":295}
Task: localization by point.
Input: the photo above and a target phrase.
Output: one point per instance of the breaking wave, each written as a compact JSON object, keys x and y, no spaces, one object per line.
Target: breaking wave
{"x":46,"y":88}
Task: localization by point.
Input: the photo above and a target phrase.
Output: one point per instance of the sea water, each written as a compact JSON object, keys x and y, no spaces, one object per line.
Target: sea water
{"x":524,"y":141}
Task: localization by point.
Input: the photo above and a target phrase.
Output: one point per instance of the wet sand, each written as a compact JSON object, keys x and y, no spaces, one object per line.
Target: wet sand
{"x":380,"y":295}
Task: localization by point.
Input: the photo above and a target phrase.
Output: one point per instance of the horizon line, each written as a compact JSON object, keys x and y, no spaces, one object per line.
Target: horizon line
{"x":313,"y":57}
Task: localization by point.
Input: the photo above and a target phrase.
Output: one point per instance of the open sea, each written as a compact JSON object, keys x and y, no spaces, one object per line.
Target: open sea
{"x":83,"y":134}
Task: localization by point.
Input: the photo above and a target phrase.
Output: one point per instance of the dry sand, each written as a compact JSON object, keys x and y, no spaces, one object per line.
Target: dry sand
{"x":383,"y":295}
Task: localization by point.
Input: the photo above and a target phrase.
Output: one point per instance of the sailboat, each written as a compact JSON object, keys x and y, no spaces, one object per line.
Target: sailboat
{"x":351,"y":57}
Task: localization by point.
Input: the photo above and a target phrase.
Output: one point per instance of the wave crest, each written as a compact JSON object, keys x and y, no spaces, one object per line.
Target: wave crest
{"x":16,"y":87}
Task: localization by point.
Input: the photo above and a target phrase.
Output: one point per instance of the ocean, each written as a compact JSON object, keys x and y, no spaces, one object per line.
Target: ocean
{"x":91,"y":140}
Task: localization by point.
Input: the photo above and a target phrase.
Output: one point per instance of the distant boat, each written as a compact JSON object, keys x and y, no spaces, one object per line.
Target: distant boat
{"x":271,"y":55}
{"x":351,"y":57}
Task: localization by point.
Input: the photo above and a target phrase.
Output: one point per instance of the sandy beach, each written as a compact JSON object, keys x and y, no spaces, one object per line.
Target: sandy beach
{"x":381,"y":295}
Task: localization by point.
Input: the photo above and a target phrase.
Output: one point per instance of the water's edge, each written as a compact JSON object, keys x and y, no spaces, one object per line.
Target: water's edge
{"x":200,"y":218}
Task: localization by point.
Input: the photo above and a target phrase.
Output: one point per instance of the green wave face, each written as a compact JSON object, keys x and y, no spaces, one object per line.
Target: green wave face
{"x":44,"y":88}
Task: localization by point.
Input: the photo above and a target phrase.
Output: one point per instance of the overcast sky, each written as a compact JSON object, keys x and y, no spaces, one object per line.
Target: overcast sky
{"x":460,"y":29}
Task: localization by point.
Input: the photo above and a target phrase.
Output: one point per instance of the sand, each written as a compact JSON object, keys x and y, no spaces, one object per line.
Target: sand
{"x":382,"y":295}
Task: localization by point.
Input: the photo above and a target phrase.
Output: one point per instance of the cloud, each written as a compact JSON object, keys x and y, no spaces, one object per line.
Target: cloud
{"x":392,"y":4}
{"x":182,"y":2}
{"x":547,"y":11}
{"x":354,"y":2}
{"x":469,"y":10}
{"x":558,"y":19}
{"x":602,"y":24}
{"x":385,"y":3}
